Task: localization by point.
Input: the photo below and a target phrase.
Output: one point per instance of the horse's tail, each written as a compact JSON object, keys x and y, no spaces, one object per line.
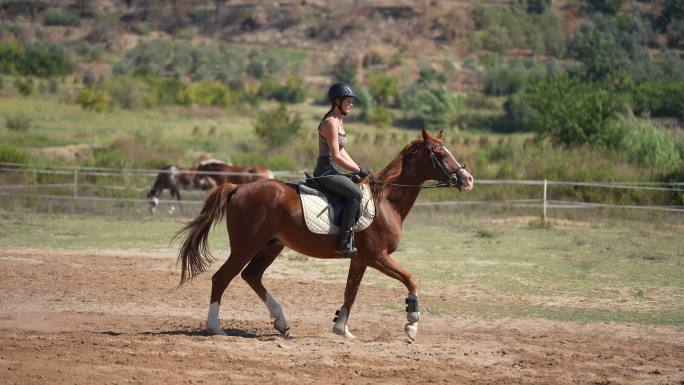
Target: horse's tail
{"x":194,"y":256}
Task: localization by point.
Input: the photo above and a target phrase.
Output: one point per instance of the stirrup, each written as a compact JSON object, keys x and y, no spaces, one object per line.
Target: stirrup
{"x":347,"y":252}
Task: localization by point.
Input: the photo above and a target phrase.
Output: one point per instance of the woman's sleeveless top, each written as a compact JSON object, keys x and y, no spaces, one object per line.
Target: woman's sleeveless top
{"x":323,"y":149}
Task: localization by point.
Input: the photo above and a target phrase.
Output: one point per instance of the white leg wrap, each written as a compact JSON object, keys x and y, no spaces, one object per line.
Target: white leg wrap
{"x":213,"y":325}
{"x":277,"y":314}
{"x":340,"y":327}
{"x":411,"y":330}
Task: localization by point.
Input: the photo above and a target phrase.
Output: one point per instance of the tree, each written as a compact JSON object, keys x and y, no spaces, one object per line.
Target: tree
{"x":568,"y":110}
{"x":436,"y":107}
{"x":277,"y":127}
{"x":605,"y":6}
{"x":383,"y":88}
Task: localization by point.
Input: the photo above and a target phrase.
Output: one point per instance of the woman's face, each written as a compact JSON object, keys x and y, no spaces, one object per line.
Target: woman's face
{"x":347,"y":104}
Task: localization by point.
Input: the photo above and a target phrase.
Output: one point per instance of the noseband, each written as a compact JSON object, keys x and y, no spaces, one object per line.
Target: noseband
{"x":438,"y":162}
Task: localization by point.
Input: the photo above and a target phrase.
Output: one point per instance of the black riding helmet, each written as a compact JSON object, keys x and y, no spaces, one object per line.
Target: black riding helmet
{"x":340,"y":90}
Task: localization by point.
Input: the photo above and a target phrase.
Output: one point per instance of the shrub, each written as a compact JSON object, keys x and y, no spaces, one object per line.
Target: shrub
{"x":206,"y":94}
{"x":345,"y":72}
{"x":659,"y":98}
{"x":281,"y":163}
{"x":164,"y":90}
{"x":642,"y":143}
{"x":674,"y":9}
{"x":42,"y":60}
{"x":18,"y":122}
{"x":567,"y":110}
{"x":436,"y":107}
{"x":384,"y":88}
{"x":292,"y":91}
{"x":53,"y":86}
{"x":267,"y":87}
{"x":430,"y":77}
{"x":675,"y":32}
{"x":11,"y":154}
{"x":110,"y":158}
{"x":2,"y":83}
{"x":504,"y":27}
{"x":256,"y":66}
{"x":605,"y":6}
{"x":91,"y":98}
{"x":504,"y":79}
{"x":364,"y":102}
{"x":166,"y":58}
{"x":610,"y":46}
{"x":537,"y":6}
{"x":24,"y":86}
{"x":380,"y":117}
{"x":277,"y":127}
{"x":128,"y":93}
{"x":60,"y":16}
{"x":520,"y":115}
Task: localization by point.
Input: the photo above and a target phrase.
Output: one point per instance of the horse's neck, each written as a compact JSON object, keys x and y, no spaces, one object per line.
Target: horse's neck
{"x":402,"y":198}
{"x":403,"y":187}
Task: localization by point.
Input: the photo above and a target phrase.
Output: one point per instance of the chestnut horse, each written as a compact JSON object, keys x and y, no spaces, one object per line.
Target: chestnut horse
{"x":265,"y":216}
{"x":212,"y":174}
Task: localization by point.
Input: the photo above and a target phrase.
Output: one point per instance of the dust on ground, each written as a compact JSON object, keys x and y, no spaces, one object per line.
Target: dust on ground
{"x":119,"y":318}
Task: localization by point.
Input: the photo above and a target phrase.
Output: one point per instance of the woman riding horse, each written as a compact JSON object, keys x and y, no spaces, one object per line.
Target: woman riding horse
{"x":334,"y":165}
{"x":265,"y":216}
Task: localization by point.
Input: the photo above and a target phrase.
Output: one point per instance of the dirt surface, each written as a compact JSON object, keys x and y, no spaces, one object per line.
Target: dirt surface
{"x":118,"y":318}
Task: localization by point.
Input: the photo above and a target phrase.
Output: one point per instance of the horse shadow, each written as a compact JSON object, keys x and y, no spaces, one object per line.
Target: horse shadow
{"x":230,"y":332}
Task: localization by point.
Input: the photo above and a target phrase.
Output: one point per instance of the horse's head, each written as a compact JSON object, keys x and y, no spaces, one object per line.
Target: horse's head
{"x":154,"y":200}
{"x":443,"y":166}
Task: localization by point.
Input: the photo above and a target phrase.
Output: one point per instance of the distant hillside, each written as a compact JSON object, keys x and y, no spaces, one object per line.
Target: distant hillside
{"x":396,"y":37}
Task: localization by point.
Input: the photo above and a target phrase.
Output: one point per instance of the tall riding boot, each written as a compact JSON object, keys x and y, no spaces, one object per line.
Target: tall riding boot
{"x":344,"y":244}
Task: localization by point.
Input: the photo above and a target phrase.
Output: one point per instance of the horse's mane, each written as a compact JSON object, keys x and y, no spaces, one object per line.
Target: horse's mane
{"x":391,"y":173}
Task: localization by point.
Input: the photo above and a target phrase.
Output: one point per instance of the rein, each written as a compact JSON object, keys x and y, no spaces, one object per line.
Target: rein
{"x":436,"y":163}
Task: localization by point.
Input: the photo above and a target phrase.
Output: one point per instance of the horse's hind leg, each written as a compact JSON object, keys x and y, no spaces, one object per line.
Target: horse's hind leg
{"x":253,"y":274}
{"x":239,"y":257}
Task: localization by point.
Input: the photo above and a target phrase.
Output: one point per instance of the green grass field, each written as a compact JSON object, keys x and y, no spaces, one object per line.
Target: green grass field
{"x":466,"y":264}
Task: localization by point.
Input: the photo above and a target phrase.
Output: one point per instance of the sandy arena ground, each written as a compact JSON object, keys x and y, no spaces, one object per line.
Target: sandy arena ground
{"x":118,"y":318}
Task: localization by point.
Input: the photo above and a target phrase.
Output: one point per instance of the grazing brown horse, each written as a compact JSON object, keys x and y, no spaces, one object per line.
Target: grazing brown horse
{"x":172,"y":178}
{"x":265,"y":216}
{"x":212,"y":174}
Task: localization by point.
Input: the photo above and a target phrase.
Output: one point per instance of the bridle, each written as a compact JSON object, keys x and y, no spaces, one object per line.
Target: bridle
{"x":455,"y":178}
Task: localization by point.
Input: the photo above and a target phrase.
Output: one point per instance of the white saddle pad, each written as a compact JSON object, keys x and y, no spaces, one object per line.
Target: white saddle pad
{"x":318,"y":215}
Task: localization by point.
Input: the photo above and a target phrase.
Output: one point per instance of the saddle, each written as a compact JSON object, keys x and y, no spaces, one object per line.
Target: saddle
{"x":322,"y":208}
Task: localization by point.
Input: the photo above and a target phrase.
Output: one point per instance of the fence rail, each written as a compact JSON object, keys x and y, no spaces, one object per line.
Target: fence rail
{"x":80,"y":187}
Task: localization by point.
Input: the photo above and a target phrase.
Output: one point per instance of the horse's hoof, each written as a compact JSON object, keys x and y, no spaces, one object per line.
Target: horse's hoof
{"x":343,"y":332}
{"x":411,"y":330}
{"x":216,"y":331}
{"x":281,"y":327}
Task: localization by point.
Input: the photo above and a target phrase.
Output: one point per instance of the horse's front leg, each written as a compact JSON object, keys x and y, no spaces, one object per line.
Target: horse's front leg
{"x":356,"y":271}
{"x":391,"y":268}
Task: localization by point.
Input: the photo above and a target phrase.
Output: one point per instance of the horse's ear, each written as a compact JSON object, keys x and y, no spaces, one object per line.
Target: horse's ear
{"x":426,"y":135}
{"x":439,"y":134}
